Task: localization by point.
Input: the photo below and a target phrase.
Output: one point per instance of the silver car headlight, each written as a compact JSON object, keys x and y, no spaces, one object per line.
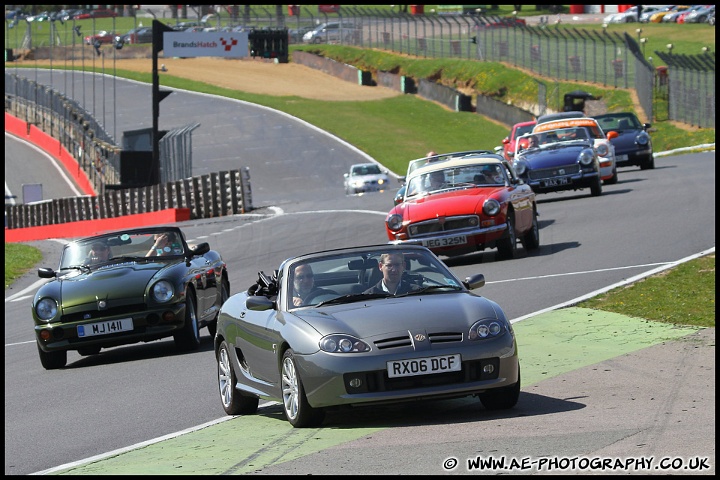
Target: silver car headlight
{"x":586,"y":157}
{"x":46,"y":309}
{"x":520,"y":168}
{"x":343,"y":344}
{"x":381,"y":181}
{"x":491,"y":207}
{"x":394,"y":222}
{"x":162,"y":291}
{"x":486,"y":329}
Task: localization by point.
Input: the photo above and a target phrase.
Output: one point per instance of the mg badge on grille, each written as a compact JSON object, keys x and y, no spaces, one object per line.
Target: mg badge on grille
{"x":419,"y":337}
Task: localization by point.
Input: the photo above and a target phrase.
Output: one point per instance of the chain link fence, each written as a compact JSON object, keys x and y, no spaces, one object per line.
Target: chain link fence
{"x":559,"y":54}
{"x":578,"y":55}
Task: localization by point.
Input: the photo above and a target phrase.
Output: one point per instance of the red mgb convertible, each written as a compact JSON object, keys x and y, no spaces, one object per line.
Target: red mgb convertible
{"x":465,"y":202}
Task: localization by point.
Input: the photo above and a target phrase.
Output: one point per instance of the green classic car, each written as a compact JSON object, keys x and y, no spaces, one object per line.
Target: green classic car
{"x":126,"y":287}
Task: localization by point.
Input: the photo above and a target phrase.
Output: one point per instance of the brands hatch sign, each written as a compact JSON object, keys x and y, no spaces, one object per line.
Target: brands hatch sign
{"x":205,"y":44}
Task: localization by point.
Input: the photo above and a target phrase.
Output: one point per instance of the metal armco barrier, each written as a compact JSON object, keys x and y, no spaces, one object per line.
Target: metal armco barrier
{"x":207,"y":196}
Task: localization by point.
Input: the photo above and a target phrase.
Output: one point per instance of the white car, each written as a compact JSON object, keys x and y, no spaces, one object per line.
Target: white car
{"x":366,"y":177}
{"x":628,"y":16}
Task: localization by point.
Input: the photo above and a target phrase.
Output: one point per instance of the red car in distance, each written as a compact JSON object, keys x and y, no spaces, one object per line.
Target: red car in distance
{"x":516,"y":131}
{"x":101,"y":13}
{"x":103,"y":36}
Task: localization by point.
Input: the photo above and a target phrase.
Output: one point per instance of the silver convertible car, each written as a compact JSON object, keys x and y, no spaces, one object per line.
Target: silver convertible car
{"x":324,"y":331}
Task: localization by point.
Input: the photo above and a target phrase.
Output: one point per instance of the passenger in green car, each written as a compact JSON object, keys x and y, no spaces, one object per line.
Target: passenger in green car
{"x":99,"y":252}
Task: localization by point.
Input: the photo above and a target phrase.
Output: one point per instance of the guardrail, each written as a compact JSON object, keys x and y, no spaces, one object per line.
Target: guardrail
{"x":207,"y":196}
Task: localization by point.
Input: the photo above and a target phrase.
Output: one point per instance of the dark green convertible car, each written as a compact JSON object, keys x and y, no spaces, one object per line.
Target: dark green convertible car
{"x":127,"y":287}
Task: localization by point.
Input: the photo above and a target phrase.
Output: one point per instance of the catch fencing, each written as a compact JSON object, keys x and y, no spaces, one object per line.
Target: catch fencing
{"x":96,"y":151}
{"x":564,"y":54}
{"x":689,"y":83}
{"x":65,"y":120}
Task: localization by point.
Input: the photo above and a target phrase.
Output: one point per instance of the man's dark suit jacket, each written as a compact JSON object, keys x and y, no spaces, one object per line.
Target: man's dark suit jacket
{"x":404,"y":287}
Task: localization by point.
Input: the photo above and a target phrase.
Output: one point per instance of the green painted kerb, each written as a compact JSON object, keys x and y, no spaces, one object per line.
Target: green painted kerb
{"x":549,"y":344}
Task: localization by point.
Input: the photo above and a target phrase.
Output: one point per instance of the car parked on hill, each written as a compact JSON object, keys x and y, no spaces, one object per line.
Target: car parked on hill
{"x":349,"y":345}
{"x":131,"y":286}
{"x":465,"y":202}
{"x":558,"y":159}
{"x":103,"y":36}
{"x":136,"y":35}
{"x":509,"y":142}
{"x":628,"y":16}
{"x":100,"y":13}
{"x":365,"y":177}
{"x":700,"y":15}
{"x":658,"y":16}
{"x":648,"y":11}
{"x":633,"y":144}
{"x":603,"y":146}
{"x":295,"y":35}
{"x":331,"y":32}
{"x":674,"y":15}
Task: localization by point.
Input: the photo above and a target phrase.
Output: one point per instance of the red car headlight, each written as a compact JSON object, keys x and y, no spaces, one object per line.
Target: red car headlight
{"x":394,"y":222}
{"x":491,"y":207}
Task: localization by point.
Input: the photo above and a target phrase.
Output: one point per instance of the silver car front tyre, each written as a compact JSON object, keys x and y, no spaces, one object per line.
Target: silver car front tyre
{"x":295,"y":405}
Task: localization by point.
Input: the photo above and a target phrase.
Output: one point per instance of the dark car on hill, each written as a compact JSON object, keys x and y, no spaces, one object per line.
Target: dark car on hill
{"x":633,"y":144}
{"x":131,"y":286}
{"x":136,"y":35}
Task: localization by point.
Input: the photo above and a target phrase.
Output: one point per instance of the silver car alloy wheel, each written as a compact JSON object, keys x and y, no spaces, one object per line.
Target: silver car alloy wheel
{"x":225,"y":378}
{"x":290,"y":389}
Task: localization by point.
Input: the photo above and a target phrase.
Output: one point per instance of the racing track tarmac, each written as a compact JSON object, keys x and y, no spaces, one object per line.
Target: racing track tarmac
{"x":589,"y":356}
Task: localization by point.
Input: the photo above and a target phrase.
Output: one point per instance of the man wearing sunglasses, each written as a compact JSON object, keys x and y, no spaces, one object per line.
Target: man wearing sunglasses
{"x":303,"y":284}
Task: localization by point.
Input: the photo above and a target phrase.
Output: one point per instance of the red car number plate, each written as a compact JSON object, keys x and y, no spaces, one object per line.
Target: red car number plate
{"x":445,"y":242}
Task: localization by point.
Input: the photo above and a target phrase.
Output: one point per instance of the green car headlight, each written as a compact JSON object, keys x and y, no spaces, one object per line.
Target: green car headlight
{"x":46,"y":309}
{"x":162,"y":291}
